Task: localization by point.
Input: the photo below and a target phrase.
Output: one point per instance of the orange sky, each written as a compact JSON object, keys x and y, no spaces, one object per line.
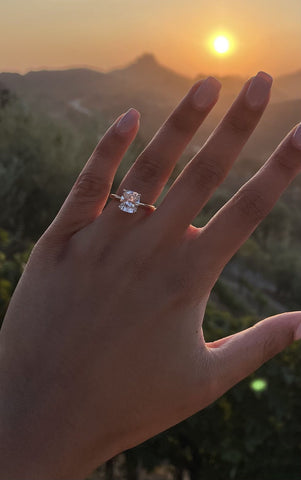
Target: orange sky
{"x":105,"y":34}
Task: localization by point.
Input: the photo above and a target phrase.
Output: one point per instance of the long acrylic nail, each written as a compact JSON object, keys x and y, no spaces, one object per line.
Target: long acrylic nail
{"x":128,"y":121}
{"x":207,"y":93}
{"x":258,"y":90}
{"x":297,"y":137}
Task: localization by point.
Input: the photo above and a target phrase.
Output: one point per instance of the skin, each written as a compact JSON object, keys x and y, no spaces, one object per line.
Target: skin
{"x":102,"y":345}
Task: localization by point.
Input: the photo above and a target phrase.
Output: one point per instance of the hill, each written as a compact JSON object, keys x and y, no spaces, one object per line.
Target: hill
{"x":152,"y":88}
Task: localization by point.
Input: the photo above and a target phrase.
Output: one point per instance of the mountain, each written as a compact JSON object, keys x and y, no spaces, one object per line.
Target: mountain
{"x":61,"y":84}
{"x":150,"y":87}
{"x":289,"y":86}
{"x":145,"y":73}
{"x":144,"y":81}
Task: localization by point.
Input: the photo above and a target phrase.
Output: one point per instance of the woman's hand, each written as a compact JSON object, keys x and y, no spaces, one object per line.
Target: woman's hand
{"x":102,"y":344}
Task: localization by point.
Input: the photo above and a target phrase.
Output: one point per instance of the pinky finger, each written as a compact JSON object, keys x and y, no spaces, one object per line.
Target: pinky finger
{"x":89,"y":193}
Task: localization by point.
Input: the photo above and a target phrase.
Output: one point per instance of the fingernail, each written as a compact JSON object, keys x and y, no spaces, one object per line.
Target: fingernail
{"x":298,"y":333}
{"x":297,"y":137}
{"x":258,"y":90}
{"x":207,"y":93}
{"x":128,"y":121}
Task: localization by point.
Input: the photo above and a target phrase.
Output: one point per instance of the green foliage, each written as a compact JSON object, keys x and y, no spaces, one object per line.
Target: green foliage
{"x":276,"y":227}
{"x":252,"y":255}
{"x":286,"y":273}
{"x":36,"y":166}
{"x":235,"y":304}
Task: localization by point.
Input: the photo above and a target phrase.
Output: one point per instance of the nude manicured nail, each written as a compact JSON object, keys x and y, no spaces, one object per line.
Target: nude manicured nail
{"x":258,"y":90}
{"x":207,"y":93}
{"x":128,"y":121}
{"x":297,"y":137}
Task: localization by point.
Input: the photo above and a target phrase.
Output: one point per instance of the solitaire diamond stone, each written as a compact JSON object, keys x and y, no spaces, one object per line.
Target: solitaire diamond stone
{"x":129,"y":201}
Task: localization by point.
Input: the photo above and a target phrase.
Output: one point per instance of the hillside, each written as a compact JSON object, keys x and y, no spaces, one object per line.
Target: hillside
{"x":83,"y":95}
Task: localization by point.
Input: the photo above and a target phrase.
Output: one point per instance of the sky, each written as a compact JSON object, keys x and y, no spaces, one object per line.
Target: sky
{"x":108,"y":34}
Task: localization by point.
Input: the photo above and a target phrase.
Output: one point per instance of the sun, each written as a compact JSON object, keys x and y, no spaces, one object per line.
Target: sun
{"x":221,"y":44}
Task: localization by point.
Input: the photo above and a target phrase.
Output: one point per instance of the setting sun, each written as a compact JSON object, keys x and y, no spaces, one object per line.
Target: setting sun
{"x":221,"y":44}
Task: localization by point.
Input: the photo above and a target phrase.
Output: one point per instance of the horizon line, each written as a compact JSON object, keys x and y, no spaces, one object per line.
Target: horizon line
{"x":131,"y":62}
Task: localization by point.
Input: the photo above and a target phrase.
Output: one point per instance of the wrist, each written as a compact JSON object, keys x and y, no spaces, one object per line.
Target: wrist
{"x":25,"y":444}
{"x":36,"y":440}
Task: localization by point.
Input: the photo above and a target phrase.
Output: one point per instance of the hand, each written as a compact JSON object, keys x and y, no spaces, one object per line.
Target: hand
{"x":102,"y":344}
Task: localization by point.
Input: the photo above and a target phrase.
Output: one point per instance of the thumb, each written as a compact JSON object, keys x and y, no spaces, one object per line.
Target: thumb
{"x":237,"y":356}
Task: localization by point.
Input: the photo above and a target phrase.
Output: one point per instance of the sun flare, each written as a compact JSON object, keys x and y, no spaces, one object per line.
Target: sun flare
{"x":221,"y":44}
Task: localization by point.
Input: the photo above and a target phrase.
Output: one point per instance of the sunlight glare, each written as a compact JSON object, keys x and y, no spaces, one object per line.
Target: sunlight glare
{"x":221,"y":44}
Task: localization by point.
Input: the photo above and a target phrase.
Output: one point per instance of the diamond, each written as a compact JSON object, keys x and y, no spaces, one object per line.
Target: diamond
{"x":129,"y":201}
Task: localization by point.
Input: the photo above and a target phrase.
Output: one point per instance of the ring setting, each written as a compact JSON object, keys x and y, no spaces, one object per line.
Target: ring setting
{"x":130,"y":201}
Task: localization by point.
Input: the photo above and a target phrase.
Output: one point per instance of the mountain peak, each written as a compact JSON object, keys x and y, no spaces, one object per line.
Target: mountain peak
{"x":145,"y":63}
{"x":146,"y":72}
{"x":147,"y":59}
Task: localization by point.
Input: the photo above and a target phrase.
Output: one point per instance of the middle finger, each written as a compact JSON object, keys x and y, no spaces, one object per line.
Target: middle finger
{"x":211,"y":164}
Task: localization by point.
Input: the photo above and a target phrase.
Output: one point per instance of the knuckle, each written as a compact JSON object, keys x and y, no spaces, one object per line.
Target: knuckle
{"x":112,"y":143}
{"x":108,"y":145}
{"x":237,"y":124}
{"x":274,"y":337}
{"x":37,"y":252}
{"x":76,"y":247}
{"x":287,"y":161}
{"x":148,"y":170}
{"x":268,"y":344}
{"x":90,"y":186}
{"x":251,"y":204}
{"x":141,"y":266}
{"x":179,"y":284}
{"x":81,"y":249}
{"x":180,"y":287}
{"x":45,"y":252}
{"x":181,"y":123}
{"x":207,"y":172}
{"x":268,"y":347}
{"x":143,"y":263}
